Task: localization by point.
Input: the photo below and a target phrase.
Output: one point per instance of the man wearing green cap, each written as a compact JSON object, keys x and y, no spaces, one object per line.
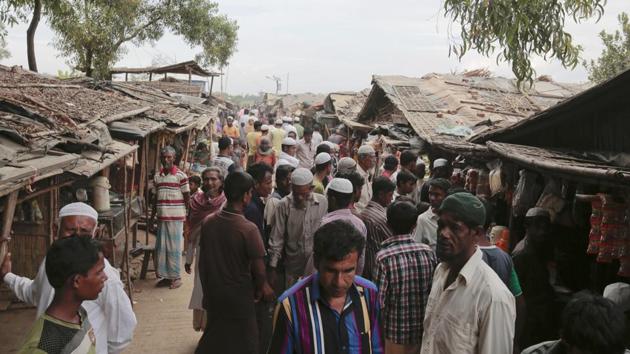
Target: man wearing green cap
{"x":469,"y":310}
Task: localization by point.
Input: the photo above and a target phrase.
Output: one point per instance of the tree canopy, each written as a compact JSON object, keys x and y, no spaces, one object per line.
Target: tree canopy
{"x":520,"y":30}
{"x":4,"y":52}
{"x":615,"y":57}
{"x":92,"y":34}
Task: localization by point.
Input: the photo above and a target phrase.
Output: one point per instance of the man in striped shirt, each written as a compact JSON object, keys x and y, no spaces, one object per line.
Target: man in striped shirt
{"x":403,"y":274}
{"x":375,"y":218}
{"x":333,"y":310}
{"x":171,"y":204}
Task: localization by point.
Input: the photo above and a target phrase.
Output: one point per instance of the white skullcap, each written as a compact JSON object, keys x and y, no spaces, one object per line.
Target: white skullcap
{"x":537,"y":212}
{"x":619,"y":293}
{"x":440,"y":163}
{"x":264,"y":127}
{"x":346,"y":164}
{"x":278,"y":121}
{"x":283,"y":162}
{"x":78,"y":209}
{"x":301,"y":177}
{"x":340,"y":185}
{"x":322,"y":158}
{"x":230,"y":118}
{"x":366,"y":149}
{"x":296,"y":119}
{"x":287,"y":119}
{"x":289,"y":142}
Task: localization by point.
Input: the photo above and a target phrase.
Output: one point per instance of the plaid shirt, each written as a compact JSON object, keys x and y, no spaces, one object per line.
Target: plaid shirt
{"x":403,"y":274}
{"x":375,"y":219}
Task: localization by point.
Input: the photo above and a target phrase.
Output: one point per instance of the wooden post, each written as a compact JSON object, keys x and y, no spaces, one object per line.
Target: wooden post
{"x":150,"y":76}
{"x":125,"y":261}
{"x":133,"y":181}
{"x":7,"y":223}
{"x":126,"y":77}
{"x":146,"y":188}
{"x":186,"y":151}
{"x":211,"y":84}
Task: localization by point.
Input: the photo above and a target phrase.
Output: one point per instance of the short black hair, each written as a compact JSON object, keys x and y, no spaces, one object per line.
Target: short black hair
{"x":382,"y":184}
{"x":441,"y":183}
{"x":307,"y":131}
{"x":404,"y":176}
{"x":257,"y":124}
{"x":354,"y":177}
{"x":259,"y":170}
{"x":236,"y":185}
{"x":316,"y":127}
{"x":195,"y":179}
{"x":224,"y":143}
{"x":402,"y":217}
{"x":335,"y":240}
{"x":323,"y":166}
{"x":390,"y":163}
{"x":343,"y":199}
{"x":283,"y":171}
{"x":407,"y":157}
{"x":70,"y":256}
{"x":421,"y":207}
{"x":323,"y":148}
{"x":593,"y":324}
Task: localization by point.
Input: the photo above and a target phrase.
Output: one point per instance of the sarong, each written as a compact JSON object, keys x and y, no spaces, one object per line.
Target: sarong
{"x":168,"y":247}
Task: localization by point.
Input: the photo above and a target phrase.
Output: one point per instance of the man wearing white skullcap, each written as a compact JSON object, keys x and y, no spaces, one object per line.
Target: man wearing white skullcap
{"x":441,"y":169}
{"x":366,"y":163}
{"x":289,"y":148}
{"x":111,"y":315}
{"x":299,"y":127}
{"x":346,"y":165}
{"x":297,"y":217}
{"x":306,"y":149}
{"x":277,"y":135}
{"x":323,"y":168}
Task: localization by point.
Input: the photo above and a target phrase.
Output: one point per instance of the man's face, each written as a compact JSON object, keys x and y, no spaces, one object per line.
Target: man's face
{"x":436,"y":196}
{"x":167,"y":160}
{"x":357,"y":193}
{"x":307,"y":138}
{"x":264,"y":145}
{"x":385,"y":199}
{"x":229,"y":123}
{"x":367,"y":161}
{"x":407,"y":187}
{"x":193,"y":187}
{"x":301,"y":194}
{"x":292,"y":135}
{"x":454,"y":238}
{"x":88,"y":286}
{"x":284,"y":184}
{"x":537,"y":230}
{"x":211,"y":182}
{"x":76,"y":225}
{"x":265,"y":186}
{"x":291,"y":150}
{"x":336,"y":277}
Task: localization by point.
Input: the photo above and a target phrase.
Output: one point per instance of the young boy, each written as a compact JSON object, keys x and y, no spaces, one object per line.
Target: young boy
{"x":194,"y":182}
{"x":75,"y":268}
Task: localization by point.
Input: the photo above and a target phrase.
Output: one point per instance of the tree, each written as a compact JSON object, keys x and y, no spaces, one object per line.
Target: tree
{"x":615,"y":57}
{"x":4,"y":52}
{"x":520,"y":29}
{"x":92,"y":34}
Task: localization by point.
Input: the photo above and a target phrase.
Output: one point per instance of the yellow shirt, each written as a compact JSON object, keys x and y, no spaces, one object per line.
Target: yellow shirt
{"x":277,"y":135}
{"x":252,"y":142}
{"x":232,"y":132}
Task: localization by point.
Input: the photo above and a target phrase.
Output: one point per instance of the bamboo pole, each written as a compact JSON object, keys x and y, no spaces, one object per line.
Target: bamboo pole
{"x":7,"y":223}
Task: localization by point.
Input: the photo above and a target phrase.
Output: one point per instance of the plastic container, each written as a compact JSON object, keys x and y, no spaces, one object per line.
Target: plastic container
{"x":100,"y":193}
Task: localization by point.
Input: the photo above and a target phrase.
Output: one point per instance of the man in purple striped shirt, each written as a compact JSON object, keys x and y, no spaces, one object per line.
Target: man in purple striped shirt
{"x":333,"y":310}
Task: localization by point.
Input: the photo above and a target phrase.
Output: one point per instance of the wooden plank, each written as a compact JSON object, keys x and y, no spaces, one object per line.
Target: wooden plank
{"x":7,"y":222}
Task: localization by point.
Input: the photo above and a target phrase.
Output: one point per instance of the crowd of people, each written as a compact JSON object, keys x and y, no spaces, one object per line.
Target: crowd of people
{"x":301,"y":245}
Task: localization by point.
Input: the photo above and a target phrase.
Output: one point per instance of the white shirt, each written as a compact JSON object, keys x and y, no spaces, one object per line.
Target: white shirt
{"x":366,"y":191}
{"x":317,"y":139}
{"x":110,"y":314}
{"x":475,"y":314}
{"x":306,"y":153}
{"x":426,"y":228}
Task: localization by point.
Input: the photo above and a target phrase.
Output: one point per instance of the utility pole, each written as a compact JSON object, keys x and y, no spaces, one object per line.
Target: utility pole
{"x":287,"y":83}
{"x":278,"y":82}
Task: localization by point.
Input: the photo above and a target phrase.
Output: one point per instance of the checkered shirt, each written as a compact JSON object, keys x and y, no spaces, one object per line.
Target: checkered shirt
{"x":403,"y":274}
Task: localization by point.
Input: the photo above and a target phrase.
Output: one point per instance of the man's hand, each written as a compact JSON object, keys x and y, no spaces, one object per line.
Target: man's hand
{"x":187,"y":268}
{"x":267,"y":293}
{"x":6,"y":266}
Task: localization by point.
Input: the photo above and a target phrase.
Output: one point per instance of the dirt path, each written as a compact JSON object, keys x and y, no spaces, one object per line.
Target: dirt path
{"x":164,"y":320}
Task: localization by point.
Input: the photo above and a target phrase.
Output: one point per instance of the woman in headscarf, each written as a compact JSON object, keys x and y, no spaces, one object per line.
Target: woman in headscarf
{"x":202,"y":204}
{"x":265,"y":153}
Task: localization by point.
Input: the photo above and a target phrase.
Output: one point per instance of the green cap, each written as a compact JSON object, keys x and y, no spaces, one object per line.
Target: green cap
{"x":466,"y":206}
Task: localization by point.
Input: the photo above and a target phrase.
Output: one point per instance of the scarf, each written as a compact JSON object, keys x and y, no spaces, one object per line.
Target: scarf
{"x":202,"y":206}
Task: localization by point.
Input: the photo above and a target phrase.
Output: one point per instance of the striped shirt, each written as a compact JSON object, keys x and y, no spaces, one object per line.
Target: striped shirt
{"x":403,"y":274}
{"x":171,"y":187}
{"x":305,"y":324}
{"x":375,"y":218}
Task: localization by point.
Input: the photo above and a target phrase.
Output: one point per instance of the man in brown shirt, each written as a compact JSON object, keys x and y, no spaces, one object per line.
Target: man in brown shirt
{"x":232,"y":273}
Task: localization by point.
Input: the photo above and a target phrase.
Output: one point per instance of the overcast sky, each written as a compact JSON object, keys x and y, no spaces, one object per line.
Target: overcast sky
{"x":329,"y":45}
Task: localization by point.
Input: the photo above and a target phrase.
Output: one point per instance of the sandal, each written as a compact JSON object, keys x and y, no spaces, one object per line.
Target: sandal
{"x":176,"y":283}
{"x":162,"y":282}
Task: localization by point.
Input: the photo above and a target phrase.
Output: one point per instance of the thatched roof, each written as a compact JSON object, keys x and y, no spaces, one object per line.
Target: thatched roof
{"x":457,"y":105}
